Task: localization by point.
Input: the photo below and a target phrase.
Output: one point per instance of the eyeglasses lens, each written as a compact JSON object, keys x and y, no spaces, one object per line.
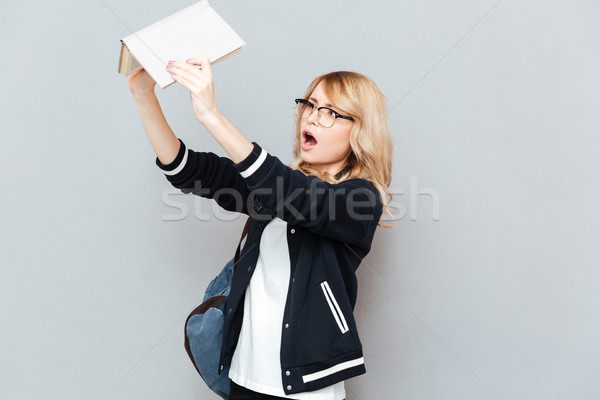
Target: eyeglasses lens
{"x":326,"y":118}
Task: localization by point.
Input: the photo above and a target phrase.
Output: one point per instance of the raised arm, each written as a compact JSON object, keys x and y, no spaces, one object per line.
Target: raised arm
{"x":162,"y":139}
{"x":200,"y":84}
{"x":202,"y":173}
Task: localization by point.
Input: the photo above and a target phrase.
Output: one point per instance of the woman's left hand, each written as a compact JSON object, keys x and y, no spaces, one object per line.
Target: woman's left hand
{"x":200,"y":84}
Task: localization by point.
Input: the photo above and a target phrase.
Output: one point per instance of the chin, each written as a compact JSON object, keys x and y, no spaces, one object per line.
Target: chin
{"x":304,"y":155}
{"x":307,"y":157}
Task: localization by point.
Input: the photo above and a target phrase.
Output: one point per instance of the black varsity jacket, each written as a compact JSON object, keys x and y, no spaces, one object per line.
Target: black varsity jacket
{"x":330,"y":230}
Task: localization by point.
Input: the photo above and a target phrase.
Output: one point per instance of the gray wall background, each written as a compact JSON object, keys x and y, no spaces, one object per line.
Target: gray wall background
{"x":487,"y":288}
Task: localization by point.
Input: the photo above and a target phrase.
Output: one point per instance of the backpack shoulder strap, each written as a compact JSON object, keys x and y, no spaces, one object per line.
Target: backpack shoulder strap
{"x":244,"y":233}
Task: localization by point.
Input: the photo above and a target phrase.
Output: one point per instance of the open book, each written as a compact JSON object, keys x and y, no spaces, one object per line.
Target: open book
{"x":195,"y":31}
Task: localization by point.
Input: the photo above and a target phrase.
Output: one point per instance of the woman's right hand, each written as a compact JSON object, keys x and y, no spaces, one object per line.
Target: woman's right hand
{"x":141,"y":83}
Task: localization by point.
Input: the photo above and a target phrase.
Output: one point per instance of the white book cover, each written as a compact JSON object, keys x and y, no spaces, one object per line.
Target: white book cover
{"x":195,"y":31}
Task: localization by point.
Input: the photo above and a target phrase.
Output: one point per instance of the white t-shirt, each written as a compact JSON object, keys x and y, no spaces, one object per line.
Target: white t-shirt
{"x":256,"y":362}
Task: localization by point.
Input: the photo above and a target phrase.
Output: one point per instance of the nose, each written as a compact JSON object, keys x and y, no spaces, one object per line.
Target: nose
{"x":313,"y":117}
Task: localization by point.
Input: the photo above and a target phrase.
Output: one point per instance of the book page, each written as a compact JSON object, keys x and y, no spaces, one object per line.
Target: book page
{"x":192,"y":32}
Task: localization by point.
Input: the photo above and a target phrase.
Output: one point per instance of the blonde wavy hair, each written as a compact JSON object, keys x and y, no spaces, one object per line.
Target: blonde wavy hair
{"x":370,"y":139}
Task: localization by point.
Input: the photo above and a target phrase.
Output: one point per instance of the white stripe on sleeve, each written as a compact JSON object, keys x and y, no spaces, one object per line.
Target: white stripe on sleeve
{"x":181,"y":165}
{"x":255,"y":165}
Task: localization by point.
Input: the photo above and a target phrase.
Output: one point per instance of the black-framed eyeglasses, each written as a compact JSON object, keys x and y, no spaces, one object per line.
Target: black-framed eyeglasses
{"x":325,"y":115}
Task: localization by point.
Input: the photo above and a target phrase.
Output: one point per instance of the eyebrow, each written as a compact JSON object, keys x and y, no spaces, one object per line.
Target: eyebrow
{"x":315,"y":100}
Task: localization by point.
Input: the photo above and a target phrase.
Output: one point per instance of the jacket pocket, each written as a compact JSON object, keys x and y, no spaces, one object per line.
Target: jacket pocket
{"x":334,"y":307}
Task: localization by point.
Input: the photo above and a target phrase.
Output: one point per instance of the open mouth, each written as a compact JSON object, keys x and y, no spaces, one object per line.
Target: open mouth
{"x":308,"y":139}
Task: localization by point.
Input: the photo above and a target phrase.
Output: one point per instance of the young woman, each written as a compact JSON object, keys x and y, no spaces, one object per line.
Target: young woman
{"x":289,"y":330}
